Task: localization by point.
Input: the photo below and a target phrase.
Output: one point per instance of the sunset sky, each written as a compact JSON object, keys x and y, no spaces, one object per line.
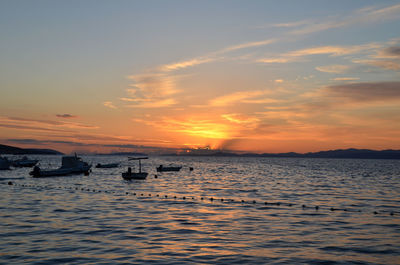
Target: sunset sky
{"x":256,"y":76}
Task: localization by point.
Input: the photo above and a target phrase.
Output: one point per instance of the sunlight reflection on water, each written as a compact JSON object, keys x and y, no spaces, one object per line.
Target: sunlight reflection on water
{"x":67,"y":219}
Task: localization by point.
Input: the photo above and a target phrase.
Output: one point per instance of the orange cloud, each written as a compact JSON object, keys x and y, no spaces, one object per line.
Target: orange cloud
{"x":253,"y":97}
{"x":153,"y":103}
{"x":185,"y":64}
{"x":336,"y":69}
{"x":109,"y":104}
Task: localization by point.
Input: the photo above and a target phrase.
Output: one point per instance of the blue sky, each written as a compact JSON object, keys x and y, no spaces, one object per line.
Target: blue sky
{"x":263,"y":76}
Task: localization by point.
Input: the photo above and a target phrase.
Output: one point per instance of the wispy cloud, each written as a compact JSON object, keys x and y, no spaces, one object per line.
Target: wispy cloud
{"x":363,"y":16}
{"x":384,"y":64}
{"x":254,"y":97}
{"x":294,"y":24}
{"x":185,"y":64}
{"x":153,"y":85}
{"x":238,"y":118}
{"x":366,"y":92}
{"x":319,"y":50}
{"x":389,"y":53}
{"x":246,"y":45}
{"x":345,"y":78}
{"x":42,"y":125}
{"x":162,"y":103}
{"x":109,"y":104}
{"x":336,"y":69}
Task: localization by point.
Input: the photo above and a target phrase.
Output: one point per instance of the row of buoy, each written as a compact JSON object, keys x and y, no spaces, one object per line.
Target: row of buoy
{"x":202,"y":199}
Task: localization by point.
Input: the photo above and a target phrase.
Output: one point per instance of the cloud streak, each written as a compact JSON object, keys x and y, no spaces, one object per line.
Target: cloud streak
{"x":366,"y":92}
{"x":362,"y":16}
{"x":250,"y":97}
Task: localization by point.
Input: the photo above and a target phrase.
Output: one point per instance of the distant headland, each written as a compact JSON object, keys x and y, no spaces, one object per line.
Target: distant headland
{"x":12,"y":150}
{"x":339,"y":153}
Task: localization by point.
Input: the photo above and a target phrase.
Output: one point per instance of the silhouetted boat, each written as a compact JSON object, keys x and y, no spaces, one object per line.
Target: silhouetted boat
{"x":111,"y":165}
{"x":4,"y":163}
{"x":161,"y":168}
{"x":24,"y":162}
{"x":70,"y":165}
{"x":135,"y":175}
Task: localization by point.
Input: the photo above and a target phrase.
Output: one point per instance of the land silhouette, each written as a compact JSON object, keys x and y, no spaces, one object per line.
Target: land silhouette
{"x":338,"y":153}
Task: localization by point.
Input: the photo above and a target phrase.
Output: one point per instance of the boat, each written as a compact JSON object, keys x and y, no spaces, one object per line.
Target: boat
{"x":135,"y":175}
{"x":25,"y":162}
{"x":4,"y":163}
{"x":111,"y":165}
{"x":70,"y":165}
{"x":161,"y":168}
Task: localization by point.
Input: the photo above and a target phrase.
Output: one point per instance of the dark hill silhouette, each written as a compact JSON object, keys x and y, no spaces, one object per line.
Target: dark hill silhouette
{"x":340,"y":153}
{"x":12,"y":150}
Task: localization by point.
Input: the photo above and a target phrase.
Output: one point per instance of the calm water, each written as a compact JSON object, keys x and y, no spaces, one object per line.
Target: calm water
{"x":97,"y":219}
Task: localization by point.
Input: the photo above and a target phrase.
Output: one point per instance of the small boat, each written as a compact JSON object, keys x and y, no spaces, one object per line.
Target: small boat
{"x":135,"y":175}
{"x":161,"y":168}
{"x":4,"y":163}
{"x":111,"y":165}
{"x":70,"y":165}
{"x":24,"y":162}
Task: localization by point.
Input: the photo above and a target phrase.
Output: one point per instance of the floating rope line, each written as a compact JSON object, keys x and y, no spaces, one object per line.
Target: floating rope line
{"x":203,"y":199}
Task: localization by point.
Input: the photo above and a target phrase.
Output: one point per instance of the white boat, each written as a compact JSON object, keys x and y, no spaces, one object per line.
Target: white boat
{"x":135,"y":175}
{"x":70,"y":165}
{"x":24,"y":162}
{"x":4,"y":163}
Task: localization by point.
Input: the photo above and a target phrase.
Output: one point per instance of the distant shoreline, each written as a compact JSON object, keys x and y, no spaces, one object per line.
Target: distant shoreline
{"x":351,"y":153}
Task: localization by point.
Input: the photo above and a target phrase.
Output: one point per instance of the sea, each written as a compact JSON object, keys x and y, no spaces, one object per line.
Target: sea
{"x":226,"y":210}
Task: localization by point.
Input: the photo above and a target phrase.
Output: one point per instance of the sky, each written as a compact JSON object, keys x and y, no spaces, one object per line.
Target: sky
{"x":169,"y":76}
